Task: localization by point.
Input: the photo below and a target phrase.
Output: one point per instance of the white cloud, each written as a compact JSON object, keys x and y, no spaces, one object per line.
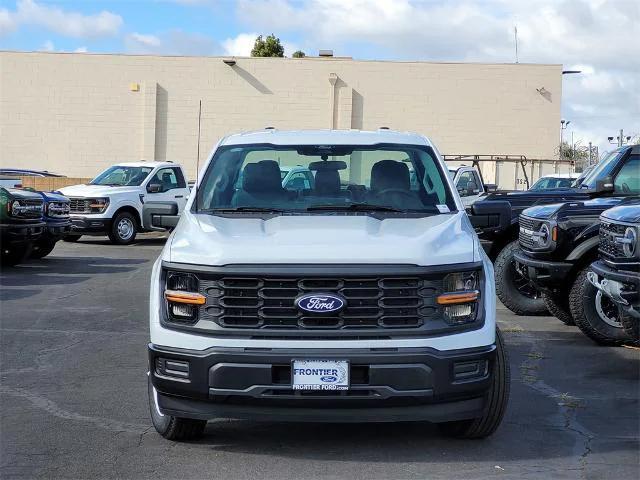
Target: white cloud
{"x":81,"y":50}
{"x":63,"y":22}
{"x":173,"y":42}
{"x":600,"y":35}
{"x":150,"y":41}
{"x":240,"y":45}
{"x":8,"y":22}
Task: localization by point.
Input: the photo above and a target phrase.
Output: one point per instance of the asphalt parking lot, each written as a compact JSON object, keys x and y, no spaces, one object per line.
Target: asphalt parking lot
{"x":73,"y":398}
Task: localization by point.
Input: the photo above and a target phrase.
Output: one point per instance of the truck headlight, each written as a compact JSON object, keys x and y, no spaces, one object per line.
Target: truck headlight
{"x":546,"y":234}
{"x":629,"y":242}
{"x":57,"y":209}
{"x":182,"y":297}
{"x":460,"y":298}
{"x":98,"y":205}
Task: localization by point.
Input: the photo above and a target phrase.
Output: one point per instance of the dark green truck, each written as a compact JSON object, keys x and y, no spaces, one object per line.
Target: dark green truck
{"x":21,"y":224}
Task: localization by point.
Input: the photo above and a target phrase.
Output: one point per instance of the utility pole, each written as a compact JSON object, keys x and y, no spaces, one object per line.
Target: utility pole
{"x":590,"y":148}
{"x":563,"y":124}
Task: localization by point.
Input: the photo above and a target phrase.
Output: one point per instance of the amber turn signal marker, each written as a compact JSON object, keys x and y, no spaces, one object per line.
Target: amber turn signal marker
{"x":454,"y":298}
{"x":554,"y":234}
{"x":184,"y":297}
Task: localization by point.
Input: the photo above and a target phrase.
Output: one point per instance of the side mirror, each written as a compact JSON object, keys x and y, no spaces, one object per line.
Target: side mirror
{"x":490,"y":187}
{"x":154,"y":188}
{"x":160,"y":215}
{"x":605,"y":185}
{"x":491,"y":214}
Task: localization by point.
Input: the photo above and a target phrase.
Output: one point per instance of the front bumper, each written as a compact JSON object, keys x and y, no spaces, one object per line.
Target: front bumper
{"x":19,"y":233}
{"x":89,"y":225}
{"x":544,"y":274}
{"x":623,"y":287}
{"x":56,"y":230}
{"x":402,"y":384}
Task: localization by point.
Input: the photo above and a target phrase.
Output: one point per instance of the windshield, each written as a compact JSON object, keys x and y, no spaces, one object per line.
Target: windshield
{"x":387,"y":178}
{"x":119,"y":176}
{"x":548,"y":183}
{"x":602,"y":169}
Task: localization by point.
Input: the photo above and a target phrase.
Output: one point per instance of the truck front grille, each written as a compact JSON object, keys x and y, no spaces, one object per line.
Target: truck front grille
{"x":79,"y":205}
{"x":527,"y":227}
{"x":608,"y":234}
{"x":269,"y":303}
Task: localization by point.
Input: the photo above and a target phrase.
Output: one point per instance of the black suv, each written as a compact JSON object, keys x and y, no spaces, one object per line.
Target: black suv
{"x":615,"y":175}
{"x":617,"y":273}
{"x":559,"y":242}
{"x":21,"y":224}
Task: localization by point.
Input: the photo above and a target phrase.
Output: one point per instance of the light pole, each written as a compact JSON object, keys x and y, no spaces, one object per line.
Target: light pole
{"x":563,"y":125}
{"x":620,"y":139}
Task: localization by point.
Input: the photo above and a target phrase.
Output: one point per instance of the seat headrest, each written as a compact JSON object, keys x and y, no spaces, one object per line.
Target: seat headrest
{"x":327,"y":182}
{"x":387,"y":174}
{"x":262,"y":177}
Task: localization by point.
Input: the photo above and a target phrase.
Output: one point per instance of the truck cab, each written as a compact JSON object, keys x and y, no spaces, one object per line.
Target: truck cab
{"x":111,"y":204}
{"x":615,"y":176}
{"x":364,"y":298}
{"x":468,"y":183}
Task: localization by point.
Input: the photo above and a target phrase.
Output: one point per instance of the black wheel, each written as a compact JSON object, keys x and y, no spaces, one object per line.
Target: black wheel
{"x":631,"y":325}
{"x":513,"y":289}
{"x":594,"y":313}
{"x":496,"y":402}
{"x":42,"y":249}
{"x":558,"y":306}
{"x":71,"y":238}
{"x":14,"y":254}
{"x":124,"y":229}
{"x":173,"y":428}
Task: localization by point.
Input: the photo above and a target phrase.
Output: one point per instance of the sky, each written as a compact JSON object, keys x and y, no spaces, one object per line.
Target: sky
{"x":599,"y":37}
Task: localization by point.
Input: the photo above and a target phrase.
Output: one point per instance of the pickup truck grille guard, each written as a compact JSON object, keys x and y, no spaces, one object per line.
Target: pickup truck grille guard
{"x":263,"y":304}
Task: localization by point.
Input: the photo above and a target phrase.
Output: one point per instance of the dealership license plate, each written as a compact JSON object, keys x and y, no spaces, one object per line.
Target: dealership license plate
{"x":320,"y":374}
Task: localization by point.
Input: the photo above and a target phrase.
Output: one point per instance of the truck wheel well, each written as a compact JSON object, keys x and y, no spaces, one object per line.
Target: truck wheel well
{"x":132,"y":211}
{"x":503,"y":240}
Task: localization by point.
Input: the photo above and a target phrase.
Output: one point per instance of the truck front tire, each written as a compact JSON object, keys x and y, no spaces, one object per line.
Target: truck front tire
{"x":496,"y":402}
{"x":124,"y":229}
{"x":14,"y":254}
{"x":42,"y":249}
{"x":173,"y":428}
{"x":631,"y":325}
{"x":594,"y":313}
{"x":512,"y":290}
{"x":558,"y":306}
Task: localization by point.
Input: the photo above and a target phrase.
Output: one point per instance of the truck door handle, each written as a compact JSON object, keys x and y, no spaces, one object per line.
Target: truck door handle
{"x":179,"y":196}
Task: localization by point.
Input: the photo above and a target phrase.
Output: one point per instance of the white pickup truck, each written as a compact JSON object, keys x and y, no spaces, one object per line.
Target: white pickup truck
{"x":111,"y":204}
{"x":469,"y":184}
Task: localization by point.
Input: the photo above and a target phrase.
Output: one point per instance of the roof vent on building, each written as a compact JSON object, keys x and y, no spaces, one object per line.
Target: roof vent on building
{"x":325,"y":53}
{"x":269,"y":128}
{"x":383,"y":128}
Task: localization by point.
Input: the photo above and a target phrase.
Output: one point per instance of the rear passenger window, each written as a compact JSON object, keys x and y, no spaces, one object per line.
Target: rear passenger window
{"x":628,"y":178}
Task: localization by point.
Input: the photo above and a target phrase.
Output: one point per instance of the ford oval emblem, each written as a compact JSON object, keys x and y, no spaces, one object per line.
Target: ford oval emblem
{"x":321,"y":302}
{"x":329,"y":379}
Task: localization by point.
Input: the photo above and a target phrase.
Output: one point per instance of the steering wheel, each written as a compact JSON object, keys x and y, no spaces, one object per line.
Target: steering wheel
{"x":392,"y":191}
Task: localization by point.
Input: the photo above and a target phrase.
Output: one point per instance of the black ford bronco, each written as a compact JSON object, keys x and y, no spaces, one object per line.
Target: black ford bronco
{"x":558,"y":244}
{"x":21,"y":224}
{"x":615,"y":175}
{"x":617,"y":273}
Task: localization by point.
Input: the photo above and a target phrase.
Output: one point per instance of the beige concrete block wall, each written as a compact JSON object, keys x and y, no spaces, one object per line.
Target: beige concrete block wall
{"x":77,"y":114}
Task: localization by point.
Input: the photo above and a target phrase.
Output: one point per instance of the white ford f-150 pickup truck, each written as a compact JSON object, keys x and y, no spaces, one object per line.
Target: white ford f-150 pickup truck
{"x":111,"y":204}
{"x":366,"y":297}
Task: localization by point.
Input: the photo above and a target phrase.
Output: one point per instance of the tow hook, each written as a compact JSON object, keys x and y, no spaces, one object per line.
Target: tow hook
{"x":609,"y":288}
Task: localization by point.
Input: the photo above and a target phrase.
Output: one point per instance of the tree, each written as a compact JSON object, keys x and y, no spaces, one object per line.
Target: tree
{"x":298,"y":54}
{"x":578,"y":153}
{"x":268,"y":47}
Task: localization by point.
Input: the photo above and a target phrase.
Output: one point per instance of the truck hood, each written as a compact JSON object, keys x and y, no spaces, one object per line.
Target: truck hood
{"x":573,"y":209}
{"x":96,"y":190}
{"x":213,"y":240}
{"x":53,"y":197}
{"x":18,"y":194}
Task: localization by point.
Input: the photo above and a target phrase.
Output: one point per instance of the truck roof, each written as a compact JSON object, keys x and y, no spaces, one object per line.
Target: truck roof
{"x":329,"y":137}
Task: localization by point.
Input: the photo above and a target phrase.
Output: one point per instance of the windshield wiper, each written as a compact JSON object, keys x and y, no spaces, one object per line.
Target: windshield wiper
{"x":356,"y":207}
